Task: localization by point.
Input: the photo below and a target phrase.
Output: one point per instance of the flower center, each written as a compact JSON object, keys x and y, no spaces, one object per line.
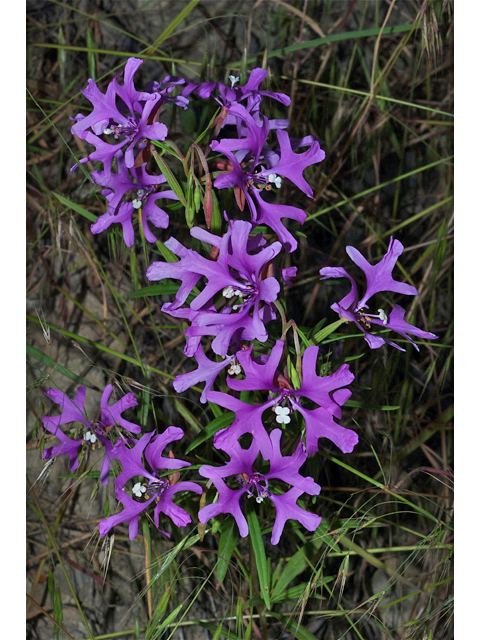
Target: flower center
{"x":286,"y":400}
{"x":152,"y":488}
{"x":257,"y":484}
{"x":260,"y":181}
{"x":234,"y":368}
{"x":364,"y":318}
{"x":142,"y":195}
{"x":244,"y":293}
{"x":123,"y":130}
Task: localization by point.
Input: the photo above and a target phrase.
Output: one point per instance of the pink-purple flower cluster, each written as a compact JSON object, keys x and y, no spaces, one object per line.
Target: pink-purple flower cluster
{"x":228,"y":293}
{"x":128,"y":119}
{"x":146,"y":484}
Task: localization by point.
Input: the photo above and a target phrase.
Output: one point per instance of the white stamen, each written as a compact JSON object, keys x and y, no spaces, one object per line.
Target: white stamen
{"x":383,"y":316}
{"x":138,"y":489}
{"x":276,"y":180}
{"x":234,"y":369}
{"x":107,"y":131}
{"x":233,"y":80}
{"x":282,"y":415}
{"x":90,"y":437}
{"x":136,"y":203}
{"x":228,"y":292}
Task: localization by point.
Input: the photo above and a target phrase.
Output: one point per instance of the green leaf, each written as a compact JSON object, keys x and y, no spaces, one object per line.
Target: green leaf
{"x":169,"y":619}
{"x":155,"y":290}
{"x":260,"y":556}
{"x":295,"y":627}
{"x":47,"y":360}
{"x":91,"y":55}
{"x":316,"y":328}
{"x":172,"y":181}
{"x":335,"y":37}
{"x":306,"y":341}
{"x":189,"y":121}
{"x":226,"y":545}
{"x":216,"y":410}
{"x":228,"y":635}
{"x":172,"y":26}
{"x":300,"y":560}
{"x":168,"y":255}
{"x":324,"y":333}
{"x":223,"y":421}
{"x":208,"y":127}
{"x":72,"y":205}
{"x":367,"y":405}
{"x":58,"y":611}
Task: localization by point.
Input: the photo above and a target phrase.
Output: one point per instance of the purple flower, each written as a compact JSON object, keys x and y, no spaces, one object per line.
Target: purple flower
{"x":288,"y":274}
{"x":271,"y":214}
{"x":207,"y":371}
{"x":92,"y":433}
{"x":124,"y":113}
{"x":105,"y":105}
{"x":152,"y":487}
{"x":256,"y":484}
{"x":252,"y":149}
{"x":232,"y":95}
{"x":326,"y":392}
{"x":379,"y":278}
{"x":129,"y":190}
{"x":238,"y":274}
{"x":254,"y":167}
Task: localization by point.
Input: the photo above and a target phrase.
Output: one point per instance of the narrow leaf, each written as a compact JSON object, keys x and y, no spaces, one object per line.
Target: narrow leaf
{"x":324,"y":333}
{"x":47,"y":360}
{"x":223,"y":421}
{"x":72,"y":205}
{"x":260,"y":556}
{"x":226,"y":545}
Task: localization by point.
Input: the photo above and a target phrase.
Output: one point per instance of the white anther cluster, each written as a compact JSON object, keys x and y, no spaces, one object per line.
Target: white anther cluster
{"x":233,"y":80}
{"x":274,"y":179}
{"x":136,"y":203}
{"x":138,"y":489}
{"x":282,"y":415}
{"x":229,"y":292}
{"x":383,"y":316}
{"x":234,"y":369}
{"x":90,"y":437}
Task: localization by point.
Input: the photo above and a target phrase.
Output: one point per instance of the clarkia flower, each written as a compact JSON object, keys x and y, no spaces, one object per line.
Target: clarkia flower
{"x":379,"y":279}
{"x":125,"y":113}
{"x":254,"y":168}
{"x":252,"y":483}
{"x":229,"y":96}
{"x":153,"y":487}
{"x":91,"y":433}
{"x":240,"y":276}
{"x":264,"y":166}
{"x":128,"y":191}
{"x":327,"y":392}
